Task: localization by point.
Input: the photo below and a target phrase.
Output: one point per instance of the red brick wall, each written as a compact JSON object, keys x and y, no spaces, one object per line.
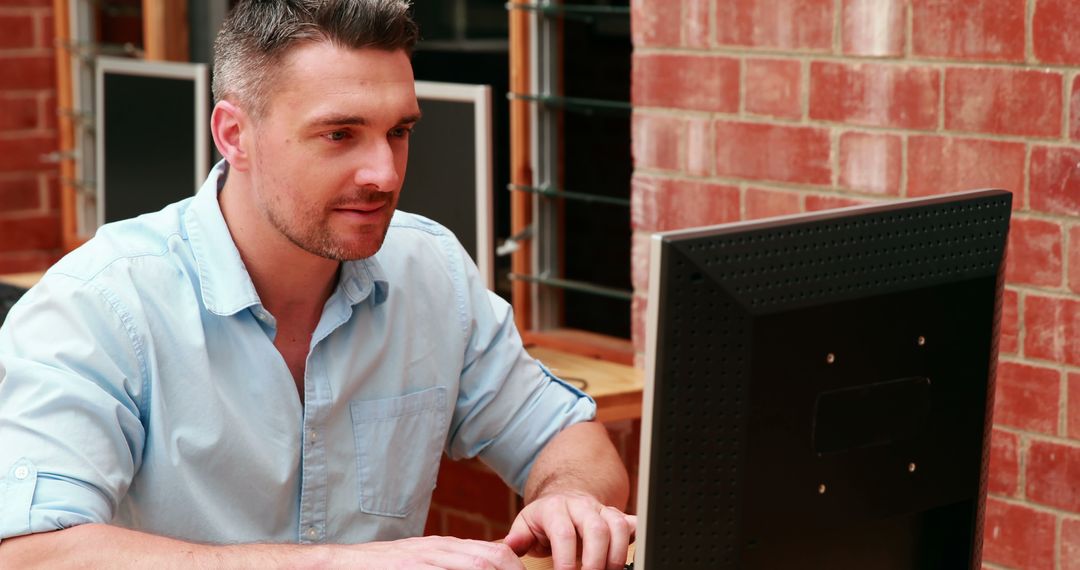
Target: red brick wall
{"x":752,"y":108}
{"x":29,"y":189}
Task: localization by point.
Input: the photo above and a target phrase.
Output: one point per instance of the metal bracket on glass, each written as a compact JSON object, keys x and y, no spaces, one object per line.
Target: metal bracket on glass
{"x":87,"y":51}
{"x":513,"y":243}
{"x":579,"y":286}
{"x":549,"y":192}
{"x":576,"y":104}
{"x":575,"y":11}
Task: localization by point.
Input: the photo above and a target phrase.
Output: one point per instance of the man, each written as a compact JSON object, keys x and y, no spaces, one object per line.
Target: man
{"x":254,"y":378}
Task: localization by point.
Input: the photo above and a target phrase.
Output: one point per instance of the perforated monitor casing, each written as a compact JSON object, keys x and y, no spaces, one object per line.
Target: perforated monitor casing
{"x":819,"y":388}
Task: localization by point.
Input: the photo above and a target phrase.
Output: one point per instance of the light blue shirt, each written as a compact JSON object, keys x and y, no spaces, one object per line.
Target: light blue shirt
{"x":139,"y":386}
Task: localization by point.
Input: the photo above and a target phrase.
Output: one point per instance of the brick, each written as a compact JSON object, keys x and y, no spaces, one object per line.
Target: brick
{"x":1004,"y":474}
{"x":1070,"y":544}
{"x":657,"y":141}
{"x":47,"y":32}
{"x":815,"y":202}
{"x":1018,"y":536}
{"x":52,"y":192}
{"x":942,"y":165}
{"x":28,"y":72}
{"x":22,"y":192}
{"x":469,"y":486}
{"x":1055,"y":180}
{"x":639,"y":261}
{"x":774,"y":87}
{"x":1034,"y":256}
{"x":1052,"y":329}
{"x":669,"y":143}
{"x":875,"y":94}
{"x":694,"y":82}
{"x":763,"y":203}
{"x":24,"y":153}
{"x":472,"y":528}
{"x":1072,"y":427}
{"x":16,"y":31}
{"x":990,"y":30}
{"x":874,"y":28}
{"x":660,"y":204}
{"x":433,"y":525}
{"x":1053,"y":470}
{"x":1053,"y":30}
{"x":781,"y":24}
{"x":20,"y":112}
{"x":655,"y":23}
{"x":871,"y":162}
{"x":1074,"y":109}
{"x":1008,"y":342}
{"x":1019,"y":102}
{"x":40,"y":232}
{"x":637,"y":325}
{"x":700,"y":146}
{"x":773,"y":152}
{"x":47,"y":117}
{"x":1027,"y":397}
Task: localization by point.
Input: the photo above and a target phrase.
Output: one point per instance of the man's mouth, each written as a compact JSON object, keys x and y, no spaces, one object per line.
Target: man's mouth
{"x":362,"y":208}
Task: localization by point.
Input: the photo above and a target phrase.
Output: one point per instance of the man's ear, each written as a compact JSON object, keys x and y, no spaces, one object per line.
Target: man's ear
{"x":228,"y":124}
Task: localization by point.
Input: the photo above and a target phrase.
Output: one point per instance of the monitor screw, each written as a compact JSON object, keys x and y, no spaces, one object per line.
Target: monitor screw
{"x":911,"y":467}
{"x":821,"y":489}
{"x":922,"y":341}
{"x":830,"y":358}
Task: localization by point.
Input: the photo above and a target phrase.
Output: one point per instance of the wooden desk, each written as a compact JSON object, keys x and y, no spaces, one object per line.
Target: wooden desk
{"x":615,"y":387}
{"x":24,"y":280}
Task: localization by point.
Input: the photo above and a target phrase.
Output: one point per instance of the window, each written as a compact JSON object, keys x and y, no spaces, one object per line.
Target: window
{"x":571,"y":165}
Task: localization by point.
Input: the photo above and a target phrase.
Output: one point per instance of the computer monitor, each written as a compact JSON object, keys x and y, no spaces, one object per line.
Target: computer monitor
{"x":449,"y":177}
{"x":152,"y":142}
{"x":819,"y":388}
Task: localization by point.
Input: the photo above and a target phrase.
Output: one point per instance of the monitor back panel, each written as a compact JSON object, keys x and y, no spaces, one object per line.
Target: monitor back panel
{"x":822,"y":390}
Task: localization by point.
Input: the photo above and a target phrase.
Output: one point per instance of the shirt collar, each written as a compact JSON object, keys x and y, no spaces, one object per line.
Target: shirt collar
{"x":226,"y":285}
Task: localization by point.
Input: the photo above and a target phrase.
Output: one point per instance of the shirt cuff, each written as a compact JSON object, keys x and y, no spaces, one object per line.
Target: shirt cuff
{"x":31,"y":502}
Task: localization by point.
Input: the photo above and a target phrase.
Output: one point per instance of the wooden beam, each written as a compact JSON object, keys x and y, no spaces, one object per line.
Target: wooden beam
{"x":165,"y":30}
{"x":521,"y":172}
{"x":66,"y":126}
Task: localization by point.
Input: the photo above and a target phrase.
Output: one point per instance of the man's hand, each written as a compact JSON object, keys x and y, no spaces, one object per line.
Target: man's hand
{"x":558,"y":523}
{"x":429,"y":552}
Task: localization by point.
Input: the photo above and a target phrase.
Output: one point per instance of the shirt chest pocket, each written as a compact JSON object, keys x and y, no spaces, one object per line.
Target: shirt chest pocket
{"x":399,"y":443}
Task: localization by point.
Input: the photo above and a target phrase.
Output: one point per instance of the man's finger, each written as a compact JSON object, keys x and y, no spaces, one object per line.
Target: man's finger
{"x":620,"y":537}
{"x":469,"y":554}
{"x":521,"y":537}
{"x":594,"y":533}
{"x":558,"y":526}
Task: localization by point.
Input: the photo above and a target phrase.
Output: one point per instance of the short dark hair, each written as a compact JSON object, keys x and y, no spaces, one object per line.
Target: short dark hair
{"x":257,"y":33}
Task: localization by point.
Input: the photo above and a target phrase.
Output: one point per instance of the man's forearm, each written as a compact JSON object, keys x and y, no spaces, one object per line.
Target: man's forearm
{"x":105,"y":546}
{"x":581,"y":459}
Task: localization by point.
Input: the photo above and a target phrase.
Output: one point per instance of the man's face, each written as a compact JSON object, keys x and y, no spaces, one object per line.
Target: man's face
{"x":329,"y":154}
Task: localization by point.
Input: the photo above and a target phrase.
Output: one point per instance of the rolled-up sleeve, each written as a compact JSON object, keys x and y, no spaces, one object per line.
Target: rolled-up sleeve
{"x":509,"y":406}
{"x":71,"y":434}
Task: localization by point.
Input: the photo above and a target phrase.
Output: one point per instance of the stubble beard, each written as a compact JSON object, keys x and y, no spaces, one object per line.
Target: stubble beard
{"x":311,"y":232}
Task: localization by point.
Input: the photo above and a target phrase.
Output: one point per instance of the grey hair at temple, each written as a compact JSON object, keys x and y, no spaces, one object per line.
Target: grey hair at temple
{"x":257,"y":34}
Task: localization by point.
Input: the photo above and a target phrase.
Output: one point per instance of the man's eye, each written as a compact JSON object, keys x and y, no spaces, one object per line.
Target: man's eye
{"x":401,"y":132}
{"x":336,"y":136}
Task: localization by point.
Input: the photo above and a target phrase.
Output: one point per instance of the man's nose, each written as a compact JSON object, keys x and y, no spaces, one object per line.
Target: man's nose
{"x":377,"y":169}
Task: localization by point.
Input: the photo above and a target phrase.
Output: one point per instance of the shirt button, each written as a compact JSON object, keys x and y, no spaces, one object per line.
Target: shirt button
{"x":22,"y":472}
{"x":312,"y":435}
{"x":312,"y":533}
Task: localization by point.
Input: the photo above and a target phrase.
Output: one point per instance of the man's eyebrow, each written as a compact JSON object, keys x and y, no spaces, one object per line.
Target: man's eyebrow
{"x":335,"y":120}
